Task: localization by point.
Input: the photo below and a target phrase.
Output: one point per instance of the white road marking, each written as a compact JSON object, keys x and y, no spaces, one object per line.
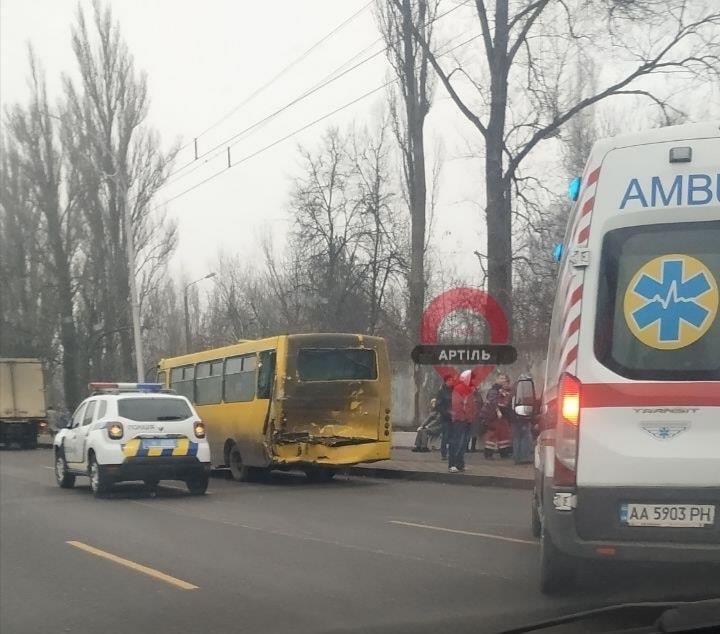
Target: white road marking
{"x":309,"y":538}
{"x":146,"y":570}
{"x":513,"y":540}
{"x":46,"y":467}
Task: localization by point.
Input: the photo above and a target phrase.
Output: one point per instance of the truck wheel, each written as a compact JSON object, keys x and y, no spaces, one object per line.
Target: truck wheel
{"x":557,"y":570}
{"x":319,"y":474}
{"x":30,"y":443}
{"x":198,"y":485}
{"x":99,"y":482}
{"x":535,"y":517}
{"x":62,"y":477}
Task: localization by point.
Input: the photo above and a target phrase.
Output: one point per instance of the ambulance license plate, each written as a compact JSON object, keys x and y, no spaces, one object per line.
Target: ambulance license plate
{"x":670,"y":515}
{"x":165,"y":443}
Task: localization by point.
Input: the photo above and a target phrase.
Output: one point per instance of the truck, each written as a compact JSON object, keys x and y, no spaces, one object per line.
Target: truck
{"x":22,"y":401}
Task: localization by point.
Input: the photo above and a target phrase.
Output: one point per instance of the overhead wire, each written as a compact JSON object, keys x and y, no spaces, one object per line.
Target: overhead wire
{"x":331,"y":78}
{"x":280,"y":73}
{"x":220,"y":148}
{"x":298,"y":131}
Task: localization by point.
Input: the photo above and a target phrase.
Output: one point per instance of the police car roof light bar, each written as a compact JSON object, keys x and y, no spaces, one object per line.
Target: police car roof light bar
{"x":125,"y":387}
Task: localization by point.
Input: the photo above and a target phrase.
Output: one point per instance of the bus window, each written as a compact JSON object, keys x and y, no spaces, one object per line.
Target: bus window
{"x":181,"y":380}
{"x":208,"y":382}
{"x":336,"y":364}
{"x":240,"y":379}
{"x":266,"y":374}
{"x":161,"y":377}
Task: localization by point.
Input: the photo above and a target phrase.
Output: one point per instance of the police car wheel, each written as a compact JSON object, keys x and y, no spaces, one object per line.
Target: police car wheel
{"x":535,"y":524}
{"x":198,"y":485}
{"x":151,"y":483}
{"x":99,"y":483}
{"x":557,"y":570}
{"x":62,"y":477}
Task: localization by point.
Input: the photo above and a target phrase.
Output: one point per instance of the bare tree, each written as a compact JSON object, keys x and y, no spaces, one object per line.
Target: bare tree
{"x":53,"y":194}
{"x":120,"y":167}
{"x":383,"y":244}
{"x":516,"y":97}
{"x":402,"y":23}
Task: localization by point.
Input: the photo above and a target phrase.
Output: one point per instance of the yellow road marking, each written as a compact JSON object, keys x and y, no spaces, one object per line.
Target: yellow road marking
{"x":151,"y":572}
{"x":472,"y":533}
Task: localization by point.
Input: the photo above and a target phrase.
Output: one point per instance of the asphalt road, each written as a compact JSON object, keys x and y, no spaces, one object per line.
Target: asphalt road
{"x":353,"y":555}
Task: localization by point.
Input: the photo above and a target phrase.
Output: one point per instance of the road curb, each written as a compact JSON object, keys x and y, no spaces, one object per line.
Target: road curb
{"x":466,"y":479}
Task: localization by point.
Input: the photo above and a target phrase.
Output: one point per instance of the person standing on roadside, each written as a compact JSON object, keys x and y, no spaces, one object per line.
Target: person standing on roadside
{"x":498,"y":436}
{"x":464,"y":413}
{"x":443,"y":405}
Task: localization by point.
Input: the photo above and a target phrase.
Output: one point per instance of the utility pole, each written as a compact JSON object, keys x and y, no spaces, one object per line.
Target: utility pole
{"x":187,"y":310}
{"x":132,"y":284}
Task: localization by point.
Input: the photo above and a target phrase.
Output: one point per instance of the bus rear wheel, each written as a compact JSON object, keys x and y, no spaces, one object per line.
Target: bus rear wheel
{"x":242,"y":472}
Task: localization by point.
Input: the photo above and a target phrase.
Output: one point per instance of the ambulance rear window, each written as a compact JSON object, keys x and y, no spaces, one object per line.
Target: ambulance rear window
{"x":657,"y":314}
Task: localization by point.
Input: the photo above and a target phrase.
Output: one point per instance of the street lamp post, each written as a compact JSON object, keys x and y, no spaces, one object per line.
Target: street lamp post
{"x":187,"y":310}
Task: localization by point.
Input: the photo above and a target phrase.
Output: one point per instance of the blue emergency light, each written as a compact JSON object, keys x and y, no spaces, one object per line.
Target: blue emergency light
{"x":125,"y":387}
{"x":574,"y":188}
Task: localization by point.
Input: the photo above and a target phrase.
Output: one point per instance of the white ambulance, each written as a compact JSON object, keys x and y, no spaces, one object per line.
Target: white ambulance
{"x":628,"y":462}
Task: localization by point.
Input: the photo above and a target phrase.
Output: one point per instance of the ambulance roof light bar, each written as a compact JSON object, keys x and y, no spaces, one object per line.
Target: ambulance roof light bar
{"x":115,"y":388}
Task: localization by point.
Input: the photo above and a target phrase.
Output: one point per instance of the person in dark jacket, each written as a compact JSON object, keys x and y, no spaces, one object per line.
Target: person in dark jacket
{"x":443,"y":404}
{"x":429,"y":430}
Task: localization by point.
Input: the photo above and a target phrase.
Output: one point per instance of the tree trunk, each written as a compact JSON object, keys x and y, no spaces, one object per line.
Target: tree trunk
{"x":68,"y":332}
{"x":499,"y":205}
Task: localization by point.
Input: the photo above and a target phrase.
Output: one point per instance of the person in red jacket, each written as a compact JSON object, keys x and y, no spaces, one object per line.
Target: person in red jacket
{"x":464,"y":412}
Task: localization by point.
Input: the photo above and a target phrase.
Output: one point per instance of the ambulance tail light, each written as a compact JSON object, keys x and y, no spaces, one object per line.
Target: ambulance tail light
{"x":566,"y":430}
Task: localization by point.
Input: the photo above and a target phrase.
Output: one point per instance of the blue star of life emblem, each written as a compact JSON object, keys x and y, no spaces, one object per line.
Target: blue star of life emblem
{"x":671,"y":299}
{"x":664,"y":431}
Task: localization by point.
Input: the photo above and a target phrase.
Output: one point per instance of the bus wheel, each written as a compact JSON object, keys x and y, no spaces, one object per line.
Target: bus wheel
{"x":240,"y":472}
{"x":319,"y":474}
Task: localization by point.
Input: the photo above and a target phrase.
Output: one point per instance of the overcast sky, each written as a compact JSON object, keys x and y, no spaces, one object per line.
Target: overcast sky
{"x":203,"y":62}
{"x":203,"y":59}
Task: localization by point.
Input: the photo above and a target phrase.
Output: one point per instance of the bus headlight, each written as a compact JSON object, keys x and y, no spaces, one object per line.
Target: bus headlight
{"x":199,"y":428}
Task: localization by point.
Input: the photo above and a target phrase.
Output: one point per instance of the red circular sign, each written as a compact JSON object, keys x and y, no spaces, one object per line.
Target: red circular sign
{"x":476,"y":301}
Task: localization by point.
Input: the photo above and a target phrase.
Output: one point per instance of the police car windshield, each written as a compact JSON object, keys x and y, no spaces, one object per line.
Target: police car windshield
{"x":153,"y":409}
{"x":657,"y":302}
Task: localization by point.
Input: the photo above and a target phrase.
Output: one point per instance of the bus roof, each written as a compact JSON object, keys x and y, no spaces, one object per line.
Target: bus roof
{"x":250,"y":345}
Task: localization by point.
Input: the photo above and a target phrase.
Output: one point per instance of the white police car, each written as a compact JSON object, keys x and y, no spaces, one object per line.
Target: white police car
{"x":133,"y":431}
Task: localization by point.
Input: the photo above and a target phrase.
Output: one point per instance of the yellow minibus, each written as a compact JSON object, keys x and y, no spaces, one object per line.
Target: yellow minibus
{"x":315,"y":402}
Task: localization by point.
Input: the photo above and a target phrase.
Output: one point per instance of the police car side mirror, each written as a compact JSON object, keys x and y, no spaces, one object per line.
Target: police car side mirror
{"x":525,"y":402}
